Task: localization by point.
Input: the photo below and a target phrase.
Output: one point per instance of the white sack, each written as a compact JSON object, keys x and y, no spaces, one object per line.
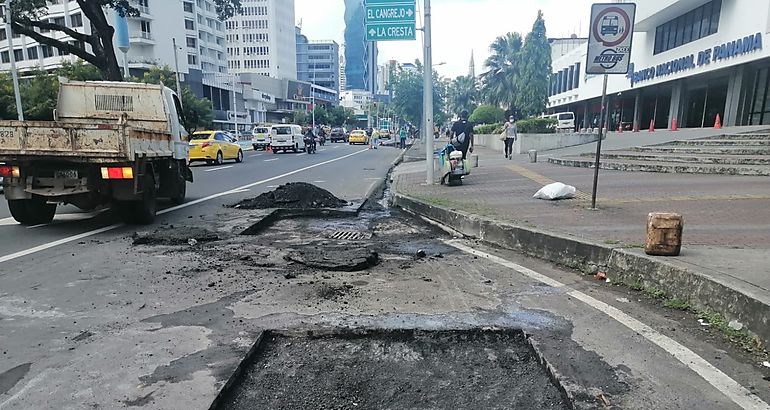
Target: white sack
{"x":556,"y":190}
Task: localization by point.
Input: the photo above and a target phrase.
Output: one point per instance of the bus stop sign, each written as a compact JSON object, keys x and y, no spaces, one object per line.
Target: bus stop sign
{"x":610,"y":38}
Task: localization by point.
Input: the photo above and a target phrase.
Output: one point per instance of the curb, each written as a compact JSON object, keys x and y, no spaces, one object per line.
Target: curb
{"x":382,"y":184}
{"x":619,"y":264}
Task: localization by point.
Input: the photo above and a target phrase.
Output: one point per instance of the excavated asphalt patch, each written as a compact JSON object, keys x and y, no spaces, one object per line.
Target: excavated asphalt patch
{"x":401,"y":369}
{"x":294,"y":195}
{"x":173,"y":236}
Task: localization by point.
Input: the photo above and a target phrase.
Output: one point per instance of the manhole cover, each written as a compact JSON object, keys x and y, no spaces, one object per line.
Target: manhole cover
{"x":349,"y":235}
{"x":400,"y":369}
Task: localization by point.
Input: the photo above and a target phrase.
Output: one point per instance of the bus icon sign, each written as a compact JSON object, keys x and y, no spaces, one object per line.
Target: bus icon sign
{"x":611,"y":34}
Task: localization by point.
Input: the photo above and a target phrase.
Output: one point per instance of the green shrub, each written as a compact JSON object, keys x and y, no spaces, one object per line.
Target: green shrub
{"x":487,"y":114}
{"x":537,"y":125}
{"x":484,"y":129}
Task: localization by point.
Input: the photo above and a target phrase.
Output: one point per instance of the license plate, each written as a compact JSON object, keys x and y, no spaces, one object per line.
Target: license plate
{"x":66,"y":174}
{"x":281,"y":140}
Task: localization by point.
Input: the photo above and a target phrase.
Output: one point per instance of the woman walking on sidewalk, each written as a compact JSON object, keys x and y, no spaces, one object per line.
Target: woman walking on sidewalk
{"x":511,"y":133}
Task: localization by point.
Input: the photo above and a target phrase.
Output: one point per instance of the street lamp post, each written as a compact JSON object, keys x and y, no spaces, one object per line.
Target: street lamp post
{"x":428,"y":95}
{"x":12,"y":58}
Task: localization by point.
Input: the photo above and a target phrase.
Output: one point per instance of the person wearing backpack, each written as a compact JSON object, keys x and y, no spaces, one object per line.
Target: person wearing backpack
{"x":462,"y":134}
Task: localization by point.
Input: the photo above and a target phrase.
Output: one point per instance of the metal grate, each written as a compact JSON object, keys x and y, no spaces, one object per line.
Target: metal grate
{"x":348,"y":235}
{"x":114,"y":102}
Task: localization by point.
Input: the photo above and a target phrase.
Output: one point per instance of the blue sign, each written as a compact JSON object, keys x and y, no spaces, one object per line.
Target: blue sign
{"x":391,"y":20}
{"x":724,"y":51}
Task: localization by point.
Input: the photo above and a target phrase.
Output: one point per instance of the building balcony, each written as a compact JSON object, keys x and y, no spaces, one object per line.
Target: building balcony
{"x":142,"y":37}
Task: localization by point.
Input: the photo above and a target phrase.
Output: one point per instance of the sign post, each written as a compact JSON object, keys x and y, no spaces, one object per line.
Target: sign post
{"x":391,"y":20}
{"x":609,"y":52}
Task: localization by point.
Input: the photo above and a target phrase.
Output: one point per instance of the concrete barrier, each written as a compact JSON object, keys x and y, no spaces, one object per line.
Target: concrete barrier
{"x":538,"y":142}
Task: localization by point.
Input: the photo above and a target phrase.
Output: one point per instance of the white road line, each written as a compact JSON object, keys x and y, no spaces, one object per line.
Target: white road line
{"x":322,"y":150}
{"x":255,"y":155}
{"x":722,"y":382}
{"x":319,"y":182}
{"x":271,"y":160}
{"x":78,"y":237}
{"x":218,"y":169}
{"x":304,"y":153}
{"x":8,"y":221}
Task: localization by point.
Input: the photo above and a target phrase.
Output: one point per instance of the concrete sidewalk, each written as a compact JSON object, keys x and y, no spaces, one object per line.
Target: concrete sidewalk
{"x":725,"y":261}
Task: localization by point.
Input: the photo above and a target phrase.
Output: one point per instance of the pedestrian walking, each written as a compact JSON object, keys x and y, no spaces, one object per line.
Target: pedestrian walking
{"x":402,"y":138}
{"x":511,"y":134}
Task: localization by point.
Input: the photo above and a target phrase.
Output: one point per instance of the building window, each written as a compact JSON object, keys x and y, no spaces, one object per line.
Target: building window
{"x":18,"y":55}
{"x":145,"y":28}
{"x":3,"y":36}
{"x":47,"y":51}
{"x":76,"y":20}
{"x":189,"y":24}
{"x":5,"y":57}
{"x":32,"y":53}
{"x":191,"y":42}
{"x":59,"y":21}
{"x":188,"y":7}
{"x":693,"y":25}
{"x":192,"y":59}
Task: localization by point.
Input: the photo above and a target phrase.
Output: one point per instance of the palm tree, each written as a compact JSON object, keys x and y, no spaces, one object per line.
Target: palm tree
{"x":463,"y":94}
{"x":498,"y":83}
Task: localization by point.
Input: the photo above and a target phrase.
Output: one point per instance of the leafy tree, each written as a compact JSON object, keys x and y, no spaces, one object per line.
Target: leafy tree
{"x":487,"y":114}
{"x":463,"y":94}
{"x":321,"y":115}
{"x":38,"y":96}
{"x":29,"y":17}
{"x":339,"y":116}
{"x":532,"y":84}
{"x":7,"y":98}
{"x":300,"y":118}
{"x":79,"y":71}
{"x":408,"y":95}
{"x":499,"y":82}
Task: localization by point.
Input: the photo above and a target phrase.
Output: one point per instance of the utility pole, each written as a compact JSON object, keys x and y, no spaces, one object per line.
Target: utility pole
{"x":176,"y":68}
{"x":428,"y":95}
{"x":235,"y":107}
{"x":12,"y":57}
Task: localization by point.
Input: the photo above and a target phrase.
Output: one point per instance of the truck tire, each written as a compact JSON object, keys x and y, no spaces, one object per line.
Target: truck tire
{"x":141,"y":212}
{"x":33,"y":211}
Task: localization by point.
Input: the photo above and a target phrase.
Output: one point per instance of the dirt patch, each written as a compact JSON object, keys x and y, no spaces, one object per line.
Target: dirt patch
{"x":396,"y":370}
{"x":334,"y":292}
{"x":335,"y":259}
{"x":295,"y":195}
{"x":171,"y":236}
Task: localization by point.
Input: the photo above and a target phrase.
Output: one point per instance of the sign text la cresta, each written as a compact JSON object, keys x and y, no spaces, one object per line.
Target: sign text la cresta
{"x":738,"y":47}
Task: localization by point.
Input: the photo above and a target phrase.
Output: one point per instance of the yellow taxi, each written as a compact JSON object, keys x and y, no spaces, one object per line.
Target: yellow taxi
{"x":358,"y":137}
{"x":214,"y":147}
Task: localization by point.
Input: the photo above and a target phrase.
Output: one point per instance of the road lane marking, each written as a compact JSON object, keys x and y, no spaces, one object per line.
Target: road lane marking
{"x":304,"y":153}
{"x":255,"y":155}
{"x":8,"y":221}
{"x":83,"y":235}
{"x":319,"y":182}
{"x":271,"y":160}
{"x":218,"y":169}
{"x":715,"y":377}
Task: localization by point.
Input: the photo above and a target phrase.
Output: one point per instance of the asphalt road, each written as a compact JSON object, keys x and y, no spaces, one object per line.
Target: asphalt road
{"x":348,"y":171}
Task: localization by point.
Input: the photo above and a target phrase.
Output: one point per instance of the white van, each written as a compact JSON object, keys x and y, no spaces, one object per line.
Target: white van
{"x":286,"y":137}
{"x":260,"y":137}
{"x":564,"y":120}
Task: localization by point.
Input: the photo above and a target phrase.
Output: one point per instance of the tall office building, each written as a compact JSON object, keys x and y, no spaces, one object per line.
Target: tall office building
{"x":262,"y":40}
{"x":343,"y":76}
{"x":360,"y":55}
{"x":318,"y":62}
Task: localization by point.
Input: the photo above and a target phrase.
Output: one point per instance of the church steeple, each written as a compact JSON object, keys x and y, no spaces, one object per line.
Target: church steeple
{"x":472,"y":71}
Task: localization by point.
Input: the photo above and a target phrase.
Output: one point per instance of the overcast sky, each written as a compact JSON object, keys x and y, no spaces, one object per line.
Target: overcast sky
{"x":459,"y":26}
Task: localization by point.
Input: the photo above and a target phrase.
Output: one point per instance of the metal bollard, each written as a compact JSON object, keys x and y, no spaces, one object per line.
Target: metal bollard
{"x":532,"y":155}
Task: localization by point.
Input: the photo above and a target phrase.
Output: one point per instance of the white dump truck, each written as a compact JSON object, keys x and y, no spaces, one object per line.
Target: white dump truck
{"x":111,"y":143}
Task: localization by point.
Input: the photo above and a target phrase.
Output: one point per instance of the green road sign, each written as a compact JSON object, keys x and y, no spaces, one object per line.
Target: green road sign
{"x":391,"y":20}
{"x":390,"y":32}
{"x":395,"y":13}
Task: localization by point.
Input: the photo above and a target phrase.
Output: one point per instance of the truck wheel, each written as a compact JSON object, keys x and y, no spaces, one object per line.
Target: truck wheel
{"x":32,"y":211}
{"x":179,"y":187}
{"x":220,"y":159}
{"x":239,"y":158}
{"x":141,"y":212}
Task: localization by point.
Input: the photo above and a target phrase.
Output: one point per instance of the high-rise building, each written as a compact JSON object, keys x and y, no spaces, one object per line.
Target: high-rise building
{"x":318,"y":62}
{"x":360,"y":55}
{"x":262,"y":40}
{"x":343,"y":76}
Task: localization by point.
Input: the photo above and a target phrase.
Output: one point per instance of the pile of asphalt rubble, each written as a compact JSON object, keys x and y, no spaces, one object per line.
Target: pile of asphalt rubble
{"x":294,"y":195}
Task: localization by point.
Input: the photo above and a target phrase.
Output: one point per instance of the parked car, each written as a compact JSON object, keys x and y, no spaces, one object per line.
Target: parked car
{"x":214,"y":147}
{"x":337,"y":134}
{"x":358,"y":137}
{"x":286,"y":137}
{"x":260,"y":138}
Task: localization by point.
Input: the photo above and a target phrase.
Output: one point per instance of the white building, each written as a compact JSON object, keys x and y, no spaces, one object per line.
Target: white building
{"x":692,"y":60}
{"x":262,"y":39}
{"x":194,"y":24}
{"x":357,"y":100}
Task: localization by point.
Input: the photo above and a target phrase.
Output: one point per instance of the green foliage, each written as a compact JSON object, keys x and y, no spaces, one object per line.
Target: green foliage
{"x":79,"y":71}
{"x":300,"y":118}
{"x":532,"y":82}
{"x":198,"y":112}
{"x":485,"y":129}
{"x":536,"y":125}
{"x":321,"y":115}
{"x":678,"y":304}
{"x":407,"y":96}
{"x":160,"y":75}
{"x":7,"y":99}
{"x":339,"y":116}
{"x":38,"y":96}
{"x":463,"y":94}
{"x":487,"y":114}
{"x":499,"y":83}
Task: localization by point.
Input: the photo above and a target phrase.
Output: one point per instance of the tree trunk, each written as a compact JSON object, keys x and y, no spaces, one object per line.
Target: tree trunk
{"x":102,"y":41}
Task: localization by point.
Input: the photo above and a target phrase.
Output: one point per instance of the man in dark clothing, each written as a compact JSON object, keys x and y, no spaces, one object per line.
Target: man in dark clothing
{"x":462,"y":134}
